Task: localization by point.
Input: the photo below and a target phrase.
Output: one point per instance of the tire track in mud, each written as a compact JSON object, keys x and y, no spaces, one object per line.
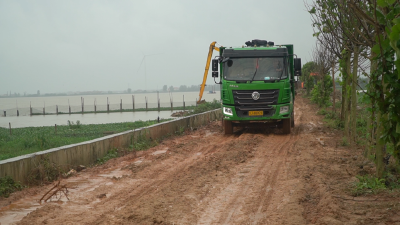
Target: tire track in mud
{"x":240,"y":210}
{"x":221,"y":209}
{"x":172,"y":173}
{"x":272,"y":180}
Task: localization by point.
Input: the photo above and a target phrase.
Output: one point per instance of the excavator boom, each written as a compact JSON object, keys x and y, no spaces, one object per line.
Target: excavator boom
{"x":203,"y":85}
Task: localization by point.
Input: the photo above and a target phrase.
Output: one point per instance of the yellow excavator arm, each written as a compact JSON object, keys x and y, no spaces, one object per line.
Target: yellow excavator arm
{"x":203,"y":85}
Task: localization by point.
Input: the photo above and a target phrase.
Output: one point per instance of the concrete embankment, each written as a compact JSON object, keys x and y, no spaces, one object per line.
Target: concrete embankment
{"x":86,"y":153}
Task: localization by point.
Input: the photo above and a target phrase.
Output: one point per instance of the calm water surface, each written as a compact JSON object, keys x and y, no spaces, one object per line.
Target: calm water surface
{"x":25,"y":120}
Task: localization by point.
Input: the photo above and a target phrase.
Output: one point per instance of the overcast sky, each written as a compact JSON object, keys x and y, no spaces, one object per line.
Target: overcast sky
{"x":59,"y":46}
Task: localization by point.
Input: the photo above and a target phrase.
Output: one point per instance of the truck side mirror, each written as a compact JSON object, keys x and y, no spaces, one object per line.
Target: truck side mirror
{"x":297,"y":67}
{"x":214,"y":65}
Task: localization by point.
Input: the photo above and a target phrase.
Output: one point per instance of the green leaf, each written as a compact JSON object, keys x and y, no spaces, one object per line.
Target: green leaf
{"x":382,"y":3}
{"x":381,"y":17}
{"x":398,"y":128}
{"x":312,"y":11}
{"x":396,"y":20}
{"x":376,"y":49}
{"x":390,"y":2}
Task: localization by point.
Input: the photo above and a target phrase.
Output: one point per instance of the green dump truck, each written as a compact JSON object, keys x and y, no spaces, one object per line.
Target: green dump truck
{"x":257,"y":84}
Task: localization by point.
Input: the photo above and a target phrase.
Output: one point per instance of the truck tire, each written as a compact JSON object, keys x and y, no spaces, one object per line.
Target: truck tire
{"x":228,"y":127}
{"x":292,"y":120}
{"x":286,"y":123}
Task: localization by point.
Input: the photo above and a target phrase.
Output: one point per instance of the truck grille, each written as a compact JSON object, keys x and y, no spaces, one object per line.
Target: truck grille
{"x":267,"y":97}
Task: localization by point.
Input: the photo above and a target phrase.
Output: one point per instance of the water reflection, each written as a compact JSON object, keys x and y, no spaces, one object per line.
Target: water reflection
{"x":99,"y":118}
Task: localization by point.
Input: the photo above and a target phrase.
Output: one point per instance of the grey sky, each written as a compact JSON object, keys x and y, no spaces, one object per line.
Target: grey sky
{"x":58,"y":46}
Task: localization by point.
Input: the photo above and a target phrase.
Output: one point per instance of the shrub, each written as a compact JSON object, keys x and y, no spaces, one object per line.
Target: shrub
{"x":8,"y":186}
{"x":368,"y":184}
{"x":322,"y":91}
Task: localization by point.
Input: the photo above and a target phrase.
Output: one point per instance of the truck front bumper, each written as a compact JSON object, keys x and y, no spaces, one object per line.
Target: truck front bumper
{"x":270,"y":112}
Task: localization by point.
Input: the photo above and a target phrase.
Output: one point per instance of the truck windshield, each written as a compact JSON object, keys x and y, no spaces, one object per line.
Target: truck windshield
{"x":244,"y":69}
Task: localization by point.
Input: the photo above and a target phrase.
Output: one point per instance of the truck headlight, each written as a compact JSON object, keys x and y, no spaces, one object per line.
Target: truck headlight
{"x":228,"y":111}
{"x":284,"y":109}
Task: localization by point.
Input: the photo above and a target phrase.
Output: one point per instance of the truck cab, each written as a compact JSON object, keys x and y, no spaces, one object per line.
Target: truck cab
{"x":257,"y":85}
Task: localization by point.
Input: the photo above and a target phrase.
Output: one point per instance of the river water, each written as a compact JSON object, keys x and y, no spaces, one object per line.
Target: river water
{"x":22,"y":104}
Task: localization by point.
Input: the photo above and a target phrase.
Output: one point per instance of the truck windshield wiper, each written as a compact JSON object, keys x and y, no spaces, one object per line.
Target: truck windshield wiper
{"x":284,"y":66}
{"x":254,"y":72}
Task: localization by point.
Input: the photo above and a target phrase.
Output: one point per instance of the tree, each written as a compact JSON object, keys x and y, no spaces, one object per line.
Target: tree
{"x":183,"y":88}
{"x":308,"y":68}
{"x":165,"y":87}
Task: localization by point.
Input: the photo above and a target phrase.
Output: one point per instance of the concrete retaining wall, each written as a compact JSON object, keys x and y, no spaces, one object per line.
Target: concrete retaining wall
{"x":86,"y":153}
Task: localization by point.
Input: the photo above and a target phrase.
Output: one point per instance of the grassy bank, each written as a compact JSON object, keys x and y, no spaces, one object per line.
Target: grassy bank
{"x":33,"y":139}
{"x":367,"y":182}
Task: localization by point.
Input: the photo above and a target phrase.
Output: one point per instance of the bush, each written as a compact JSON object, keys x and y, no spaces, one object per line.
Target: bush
{"x":8,"y":186}
{"x":322,"y":91}
{"x":368,"y":184}
{"x":72,"y":125}
{"x":206,"y":106}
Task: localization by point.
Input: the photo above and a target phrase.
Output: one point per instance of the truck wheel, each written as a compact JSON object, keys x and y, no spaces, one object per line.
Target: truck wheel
{"x":286,"y":125}
{"x":228,"y":127}
{"x":292,"y":120}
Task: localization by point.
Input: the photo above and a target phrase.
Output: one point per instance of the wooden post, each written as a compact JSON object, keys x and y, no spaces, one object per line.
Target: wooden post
{"x":55,"y":128}
{"x":146,"y":102}
{"x":120,"y":106}
{"x":69,"y":107}
{"x":95,"y":106}
{"x":158,"y":101}
{"x":9,"y":125}
{"x":5,"y":113}
{"x":17,"y":112}
{"x":44,"y":106}
{"x":183,"y":102}
{"x":170,"y":99}
{"x":57,"y":109}
{"x":108,"y":106}
{"x":82,"y":102}
{"x":30,"y":108}
{"x":196,"y":102}
{"x":133,"y":103}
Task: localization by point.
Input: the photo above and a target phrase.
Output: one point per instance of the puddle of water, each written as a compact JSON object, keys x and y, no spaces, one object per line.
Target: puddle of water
{"x":208,"y":133}
{"x":116,"y":173}
{"x":18,"y":210}
{"x":163,"y":151}
{"x":138,"y":162}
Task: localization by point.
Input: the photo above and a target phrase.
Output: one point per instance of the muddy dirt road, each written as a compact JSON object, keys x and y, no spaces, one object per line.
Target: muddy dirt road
{"x":206,"y":177}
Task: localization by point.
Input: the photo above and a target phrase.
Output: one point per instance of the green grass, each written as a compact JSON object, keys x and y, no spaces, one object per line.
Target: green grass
{"x":368,"y":184}
{"x":113,"y":153}
{"x":33,"y":139}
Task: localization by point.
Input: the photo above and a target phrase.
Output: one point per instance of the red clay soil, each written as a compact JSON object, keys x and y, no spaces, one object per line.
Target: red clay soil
{"x":205,"y":177}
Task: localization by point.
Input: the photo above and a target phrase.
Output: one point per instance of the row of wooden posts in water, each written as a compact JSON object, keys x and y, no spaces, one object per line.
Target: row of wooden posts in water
{"x":108,"y":106}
